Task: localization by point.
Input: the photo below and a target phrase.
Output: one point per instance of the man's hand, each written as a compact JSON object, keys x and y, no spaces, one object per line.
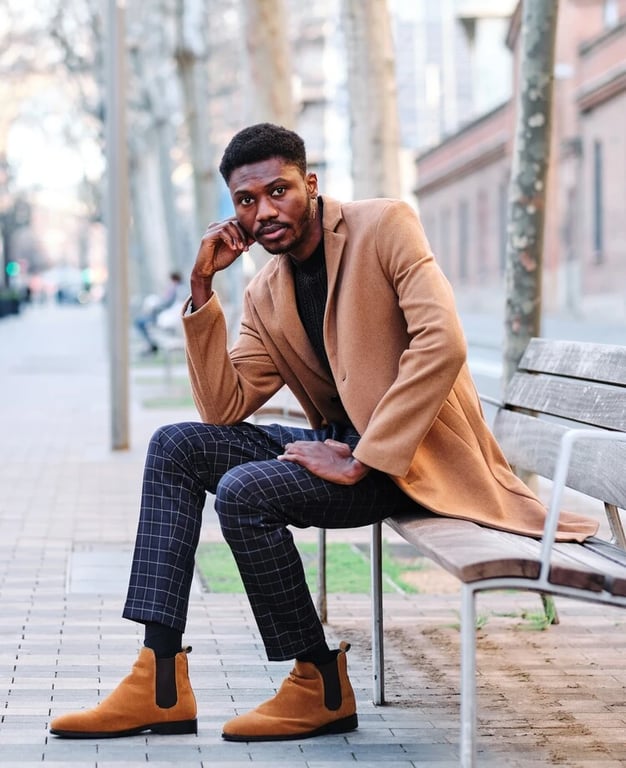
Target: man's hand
{"x":330,"y":460}
{"x":222,"y":243}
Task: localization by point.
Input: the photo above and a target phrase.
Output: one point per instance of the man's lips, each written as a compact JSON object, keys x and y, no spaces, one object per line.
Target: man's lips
{"x":271,"y":232}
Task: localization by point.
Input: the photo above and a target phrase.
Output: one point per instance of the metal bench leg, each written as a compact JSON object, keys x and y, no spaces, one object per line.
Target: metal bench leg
{"x":468,"y":676}
{"x":322,"y":601}
{"x":615,"y":523}
{"x":378,"y":653}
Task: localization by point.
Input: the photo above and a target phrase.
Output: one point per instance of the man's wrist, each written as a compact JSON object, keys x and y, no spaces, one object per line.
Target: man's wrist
{"x":200,"y":296}
{"x":359,"y":469}
{"x":193,"y":306}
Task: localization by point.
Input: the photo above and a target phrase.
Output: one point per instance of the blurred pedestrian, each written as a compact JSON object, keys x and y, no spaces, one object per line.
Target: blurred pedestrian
{"x":175,"y":293}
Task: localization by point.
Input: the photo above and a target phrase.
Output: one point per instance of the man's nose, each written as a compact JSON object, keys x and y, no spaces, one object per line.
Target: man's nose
{"x":266,"y":209}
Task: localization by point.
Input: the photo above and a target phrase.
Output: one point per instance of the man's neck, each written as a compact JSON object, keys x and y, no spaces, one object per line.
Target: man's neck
{"x":314,"y":238}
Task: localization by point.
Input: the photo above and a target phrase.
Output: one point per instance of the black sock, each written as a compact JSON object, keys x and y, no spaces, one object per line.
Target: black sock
{"x":319,"y":655}
{"x":164,"y":641}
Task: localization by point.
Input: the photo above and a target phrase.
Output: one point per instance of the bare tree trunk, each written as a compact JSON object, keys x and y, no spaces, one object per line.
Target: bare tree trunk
{"x":192,"y":64}
{"x":270,"y":96}
{"x":527,"y":192}
{"x":151,"y":262}
{"x":153,"y":199}
{"x":374,"y":132}
{"x":191,"y":61}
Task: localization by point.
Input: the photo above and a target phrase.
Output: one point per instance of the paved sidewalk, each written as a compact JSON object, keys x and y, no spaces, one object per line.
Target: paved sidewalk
{"x":68,"y":511}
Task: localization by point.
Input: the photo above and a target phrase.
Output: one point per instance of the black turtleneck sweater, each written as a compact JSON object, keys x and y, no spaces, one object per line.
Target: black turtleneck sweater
{"x":311,"y":286}
{"x":311,"y":291}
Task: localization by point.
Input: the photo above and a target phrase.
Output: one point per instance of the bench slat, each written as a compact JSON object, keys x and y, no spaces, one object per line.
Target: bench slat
{"x":575,"y":561}
{"x":581,"y":401}
{"x":615,"y":553}
{"x":466,"y":550}
{"x":532,"y":444}
{"x":470,"y":553}
{"x":581,"y":360}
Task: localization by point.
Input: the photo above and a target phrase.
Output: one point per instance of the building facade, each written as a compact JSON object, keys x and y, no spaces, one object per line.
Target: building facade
{"x":462,"y":183}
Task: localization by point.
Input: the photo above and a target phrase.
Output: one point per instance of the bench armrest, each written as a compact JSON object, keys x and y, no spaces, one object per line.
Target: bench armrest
{"x":490,"y":400}
{"x":560,"y":480}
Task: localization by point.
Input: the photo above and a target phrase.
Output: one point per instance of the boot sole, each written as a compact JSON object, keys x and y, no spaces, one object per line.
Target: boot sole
{"x":350,"y":723}
{"x":164,"y":729}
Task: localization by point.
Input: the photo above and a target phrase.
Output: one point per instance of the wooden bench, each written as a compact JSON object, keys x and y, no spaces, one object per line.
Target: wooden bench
{"x":564,"y":418}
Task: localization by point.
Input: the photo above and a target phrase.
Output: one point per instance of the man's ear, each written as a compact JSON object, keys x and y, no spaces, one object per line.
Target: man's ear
{"x":311,"y":184}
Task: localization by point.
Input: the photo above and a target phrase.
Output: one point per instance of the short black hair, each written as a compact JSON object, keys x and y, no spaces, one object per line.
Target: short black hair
{"x":262,"y":142}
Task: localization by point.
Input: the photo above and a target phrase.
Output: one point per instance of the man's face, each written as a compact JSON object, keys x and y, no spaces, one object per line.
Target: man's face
{"x":274,"y":205}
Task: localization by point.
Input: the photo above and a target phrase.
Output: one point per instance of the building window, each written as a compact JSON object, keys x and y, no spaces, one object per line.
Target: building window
{"x":463,"y":240}
{"x":598,"y":230}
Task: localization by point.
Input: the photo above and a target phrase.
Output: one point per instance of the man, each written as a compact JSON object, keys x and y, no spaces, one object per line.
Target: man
{"x":354,"y":316}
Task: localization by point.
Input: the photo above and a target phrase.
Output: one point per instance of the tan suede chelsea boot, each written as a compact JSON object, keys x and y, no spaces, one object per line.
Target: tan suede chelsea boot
{"x":310,"y":702}
{"x":156,"y":696}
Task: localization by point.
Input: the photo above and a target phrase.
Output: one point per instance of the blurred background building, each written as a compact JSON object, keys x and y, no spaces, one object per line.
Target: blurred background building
{"x":462,"y":180}
{"x":193,"y":79}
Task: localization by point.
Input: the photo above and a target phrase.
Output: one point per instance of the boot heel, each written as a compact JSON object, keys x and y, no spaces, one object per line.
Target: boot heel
{"x":350,"y":723}
{"x":176,"y":728}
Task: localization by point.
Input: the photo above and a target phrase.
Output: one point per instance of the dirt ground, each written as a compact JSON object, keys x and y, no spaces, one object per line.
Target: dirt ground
{"x":546,"y":696}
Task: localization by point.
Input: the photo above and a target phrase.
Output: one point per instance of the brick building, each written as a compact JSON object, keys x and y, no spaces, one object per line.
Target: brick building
{"x":462,"y":183}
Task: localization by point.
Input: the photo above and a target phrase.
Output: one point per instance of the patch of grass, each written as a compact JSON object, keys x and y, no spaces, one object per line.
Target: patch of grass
{"x":156,"y":392}
{"x":174,"y":400}
{"x":217,"y":568}
{"x":481,"y":621}
{"x":539,"y":621}
{"x":394,"y":569}
{"x":347,"y":569}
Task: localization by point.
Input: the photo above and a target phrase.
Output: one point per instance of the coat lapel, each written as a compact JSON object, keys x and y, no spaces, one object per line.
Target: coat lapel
{"x":283,"y":306}
{"x":283,"y":297}
{"x":334,"y":244}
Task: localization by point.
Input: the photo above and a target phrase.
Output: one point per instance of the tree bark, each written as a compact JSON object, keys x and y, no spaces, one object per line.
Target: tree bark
{"x":529,"y":176}
{"x":270,"y":95}
{"x":191,"y":61}
{"x":374,"y":131}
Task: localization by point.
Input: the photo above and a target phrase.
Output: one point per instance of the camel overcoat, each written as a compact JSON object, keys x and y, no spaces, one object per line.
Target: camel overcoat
{"x":398,"y":358}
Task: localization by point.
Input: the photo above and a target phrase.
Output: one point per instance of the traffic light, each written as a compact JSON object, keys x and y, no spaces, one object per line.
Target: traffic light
{"x":13,"y":269}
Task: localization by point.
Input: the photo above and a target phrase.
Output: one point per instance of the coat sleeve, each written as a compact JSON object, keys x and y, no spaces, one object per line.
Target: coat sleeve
{"x":435,"y":353}
{"x":227,"y":387}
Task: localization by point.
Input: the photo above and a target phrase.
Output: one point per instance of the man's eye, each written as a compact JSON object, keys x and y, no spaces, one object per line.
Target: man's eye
{"x":245,"y":200}
{"x":278,"y":191}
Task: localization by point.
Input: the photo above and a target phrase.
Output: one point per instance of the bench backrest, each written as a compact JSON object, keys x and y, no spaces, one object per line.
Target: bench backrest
{"x":564,"y":384}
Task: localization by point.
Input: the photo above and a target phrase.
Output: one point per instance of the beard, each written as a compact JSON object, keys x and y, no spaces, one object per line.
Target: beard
{"x":299,"y":231}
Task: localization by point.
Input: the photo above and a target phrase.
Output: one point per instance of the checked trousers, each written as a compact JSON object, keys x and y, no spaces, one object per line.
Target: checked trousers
{"x":257,"y":498}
